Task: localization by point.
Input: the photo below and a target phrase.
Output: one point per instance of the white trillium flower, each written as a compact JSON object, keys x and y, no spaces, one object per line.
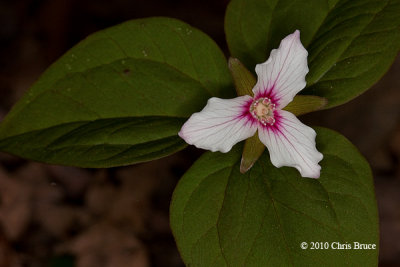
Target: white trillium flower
{"x":224,"y":122}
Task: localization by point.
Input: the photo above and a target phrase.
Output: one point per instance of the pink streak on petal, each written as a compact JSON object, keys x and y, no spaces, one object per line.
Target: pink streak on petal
{"x":269,"y":93}
{"x":221,"y":124}
{"x":282,"y":76}
{"x":291,"y":143}
{"x":245,"y":113}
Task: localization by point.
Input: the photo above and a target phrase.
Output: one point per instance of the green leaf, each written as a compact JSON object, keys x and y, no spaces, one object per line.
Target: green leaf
{"x":351,"y":43}
{"x":221,"y":217}
{"x":118,"y":97}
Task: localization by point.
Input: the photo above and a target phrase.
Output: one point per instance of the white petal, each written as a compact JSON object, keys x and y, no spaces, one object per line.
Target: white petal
{"x":282,"y":76}
{"x":220,"y":125}
{"x":291,"y":143}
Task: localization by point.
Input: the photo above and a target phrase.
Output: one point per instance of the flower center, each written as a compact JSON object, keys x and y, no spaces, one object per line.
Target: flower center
{"x":262,"y":109}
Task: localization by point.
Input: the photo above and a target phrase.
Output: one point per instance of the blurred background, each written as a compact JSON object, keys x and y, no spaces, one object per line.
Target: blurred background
{"x":64,"y":216}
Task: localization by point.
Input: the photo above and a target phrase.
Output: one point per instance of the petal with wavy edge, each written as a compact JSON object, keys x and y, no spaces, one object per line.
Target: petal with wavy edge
{"x":220,"y":125}
{"x":291,"y":143}
{"x":282,"y":76}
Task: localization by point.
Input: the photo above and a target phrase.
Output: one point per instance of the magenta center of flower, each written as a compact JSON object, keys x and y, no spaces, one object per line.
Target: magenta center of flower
{"x":262,"y":109}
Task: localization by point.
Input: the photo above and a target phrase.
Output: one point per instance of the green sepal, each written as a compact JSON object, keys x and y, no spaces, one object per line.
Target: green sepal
{"x":243,"y":79}
{"x":253,"y":149}
{"x":303,"y":104}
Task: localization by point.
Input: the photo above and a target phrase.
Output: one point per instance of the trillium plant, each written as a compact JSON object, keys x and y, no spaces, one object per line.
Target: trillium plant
{"x":98,"y":105}
{"x":223,"y":123}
